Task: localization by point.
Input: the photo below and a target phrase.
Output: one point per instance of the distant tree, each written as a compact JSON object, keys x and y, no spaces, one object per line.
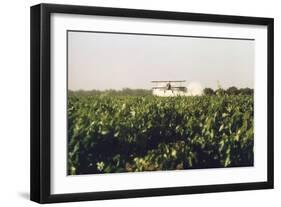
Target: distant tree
{"x":220,"y":92}
{"x":232,"y":91}
{"x":208,"y":91}
{"x":246,"y":91}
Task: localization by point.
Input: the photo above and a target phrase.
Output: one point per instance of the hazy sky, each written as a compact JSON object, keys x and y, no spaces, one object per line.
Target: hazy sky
{"x":115,"y":61}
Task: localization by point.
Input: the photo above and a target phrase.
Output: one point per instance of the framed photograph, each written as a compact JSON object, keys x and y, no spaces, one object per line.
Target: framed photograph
{"x":132,"y":103}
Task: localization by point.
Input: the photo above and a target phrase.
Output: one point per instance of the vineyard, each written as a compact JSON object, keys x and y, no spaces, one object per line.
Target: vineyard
{"x":108,"y":134}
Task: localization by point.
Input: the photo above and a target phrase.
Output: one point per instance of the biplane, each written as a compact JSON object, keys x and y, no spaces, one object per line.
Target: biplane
{"x":169,"y":88}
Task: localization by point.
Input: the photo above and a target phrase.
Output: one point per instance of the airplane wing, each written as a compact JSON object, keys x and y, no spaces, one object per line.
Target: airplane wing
{"x":179,"y":87}
{"x":168,"y":81}
{"x":164,"y":87}
{"x":160,"y":87}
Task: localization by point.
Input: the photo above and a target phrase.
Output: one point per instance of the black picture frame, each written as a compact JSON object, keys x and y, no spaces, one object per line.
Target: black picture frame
{"x":41,"y":99}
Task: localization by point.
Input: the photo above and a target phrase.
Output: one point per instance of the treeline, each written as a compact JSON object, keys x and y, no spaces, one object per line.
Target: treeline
{"x":230,"y":91}
{"x":112,"y":92}
{"x":145,"y":92}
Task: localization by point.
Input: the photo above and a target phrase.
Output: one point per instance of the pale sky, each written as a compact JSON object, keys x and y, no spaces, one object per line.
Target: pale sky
{"x":115,"y":61}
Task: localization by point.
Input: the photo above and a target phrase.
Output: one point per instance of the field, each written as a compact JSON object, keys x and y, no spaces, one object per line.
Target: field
{"x":108,"y":134}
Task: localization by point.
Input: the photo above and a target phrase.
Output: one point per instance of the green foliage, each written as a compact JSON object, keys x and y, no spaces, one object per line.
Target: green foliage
{"x":143,"y":133}
{"x":209,"y":92}
{"x":232,"y":91}
{"x":220,"y":92}
{"x":246,"y":91}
